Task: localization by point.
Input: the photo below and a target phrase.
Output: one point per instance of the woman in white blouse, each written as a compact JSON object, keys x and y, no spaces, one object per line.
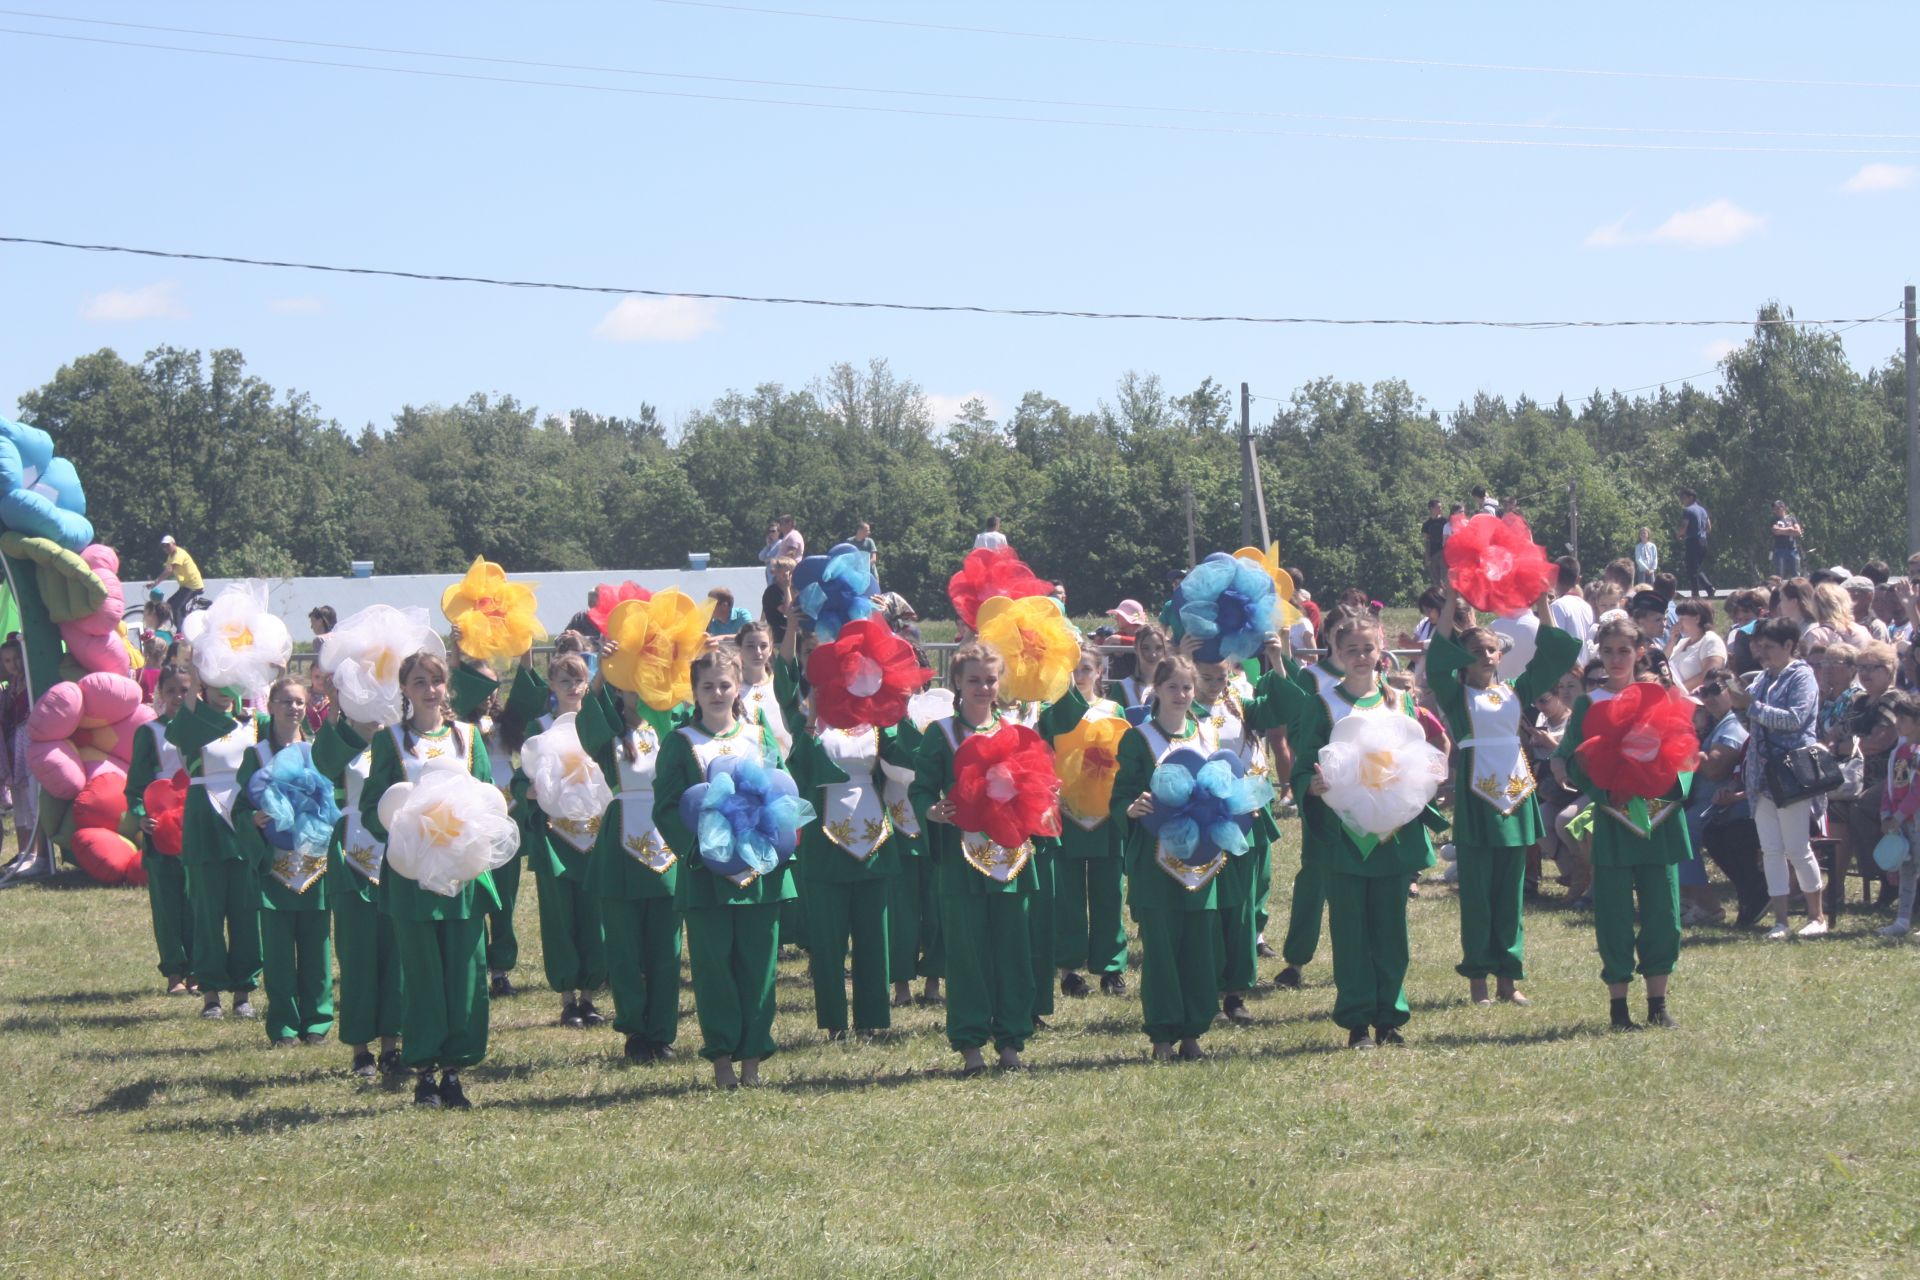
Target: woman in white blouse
{"x":1696,"y":648}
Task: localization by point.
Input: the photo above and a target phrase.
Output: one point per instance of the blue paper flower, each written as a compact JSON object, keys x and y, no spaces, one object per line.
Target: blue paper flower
{"x":1230,"y":604}
{"x":298,"y":801}
{"x":747,"y":817}
{"x":40,"y":495}
{"x":1203,"y":805}
{"x":834,"y":589}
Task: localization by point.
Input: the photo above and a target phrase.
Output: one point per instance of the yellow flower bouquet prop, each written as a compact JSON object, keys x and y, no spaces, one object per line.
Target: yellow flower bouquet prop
{"x":1086,"y":759}
{"x":658,"y":640}
{"x":1035,"y":640}
{"x":1269,"y":560}
{"x":496,"y":617}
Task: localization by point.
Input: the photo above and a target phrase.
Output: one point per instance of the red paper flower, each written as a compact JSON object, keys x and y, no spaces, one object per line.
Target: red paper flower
{"x":1005,"y":787}
{"x":1640,"y":741}
{"x":990,"y":572}
{"x":1495,"y":565}
{"x":166,"y":803}
{"x":607,"y":597}
{"x":864,"y":676}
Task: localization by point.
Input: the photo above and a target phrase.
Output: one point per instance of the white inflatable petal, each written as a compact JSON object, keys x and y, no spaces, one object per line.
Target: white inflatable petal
{"x":363,"y":655}
{"x":449,"y":829}
{"x":1381,"y":772}
{"x":567,"y":784}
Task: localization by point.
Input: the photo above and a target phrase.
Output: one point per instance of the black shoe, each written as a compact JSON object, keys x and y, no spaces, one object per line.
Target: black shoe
{"x":1265,"y":951}
{"x":425,"y":1092}
{"x":590,"y":1015}
{"x":363,"y":1065}
{"x":1235,"y":1011}
{"x":638,"y":1050}
{"x":1751,"y":916}
{"x":1113,"y":984}
{"x":452,"y":1095}
{"x":836,"y":1035}
{"x":314,"y":1037}
{"x":1288,"y":979}
{"x":1657,"y":1015}
{"x":1041,"y":1024}
{"x":1074,"y":986}
{"x":1385,"y":1036}
{"x":500,"y":988}
{"x":1618,"y":1019}
{"x":1192,"y":1053}
{"x":570,"y":1015}
{"x":390,"y":1064}
{"x":284,"y":1042}
{"x":1359,"y":1039}
{"x":662,"y":1052}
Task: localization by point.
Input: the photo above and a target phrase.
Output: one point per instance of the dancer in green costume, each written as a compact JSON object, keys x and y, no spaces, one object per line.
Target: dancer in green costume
{"x":168,"y":898}
{"x":1088,"y":931}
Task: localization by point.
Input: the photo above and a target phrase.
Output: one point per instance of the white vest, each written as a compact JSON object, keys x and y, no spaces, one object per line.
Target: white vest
{"x":1500,"y":774}
{"x":759,"y":698}
{"x":220,"y":766}
{"x":853,"y":814}
{"x":297,"y":871}
{"x":994,"y":861}
{"x":1203,"y":740}
{"x":358,"y":848}
{"x":164,"y":751}
{"x":742,"y":742}
{"x":635,"y":794}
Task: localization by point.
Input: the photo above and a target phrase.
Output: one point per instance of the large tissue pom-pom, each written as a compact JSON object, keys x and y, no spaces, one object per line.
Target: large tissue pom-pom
{"x":1640,"y":741}
{"x":238,"y":642}
{"x":1268,"y":562}
{"x":1203,"y":805}
{"x":1230,"y":604}
{"x":989,"y":572}
{"x":497,"y":618}
{"x":746,"y":816}
{"x":834,"y":589}
{"x":1380,"y":771}
{"x":447,"y":829}
{"x":1004,"y":786}
{"x":864,"y":676}
{"x":659,"y":638}
{"x":362,"y":657}
{"x":608,"y":597}
{"x":165,"y":801}
{"x":1521,"y":632}
{"x":1496,"y":566}
{"x":1038,"y":644}
{"x":566,"y":782}
{"x":1086,"y":759}
{"x":297,"y":799}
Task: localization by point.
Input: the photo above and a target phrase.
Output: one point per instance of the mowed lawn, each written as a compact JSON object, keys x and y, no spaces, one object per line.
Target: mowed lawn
{"x":1773,"y":1134}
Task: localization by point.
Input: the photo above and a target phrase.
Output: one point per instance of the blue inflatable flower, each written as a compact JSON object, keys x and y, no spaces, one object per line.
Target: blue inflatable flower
{"x":298,"y":801}
{"x":40,"y":495}
{"x":1230,"y":604}
{"x":834,"y":589}
{"x":746,"y":816}
{"x":1203,"y":805}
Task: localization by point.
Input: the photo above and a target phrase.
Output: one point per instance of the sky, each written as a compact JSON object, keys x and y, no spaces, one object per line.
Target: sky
{"x":1203,"y":158}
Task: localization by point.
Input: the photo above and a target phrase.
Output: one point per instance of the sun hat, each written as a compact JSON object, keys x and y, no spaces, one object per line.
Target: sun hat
{"x":1131,"y":612}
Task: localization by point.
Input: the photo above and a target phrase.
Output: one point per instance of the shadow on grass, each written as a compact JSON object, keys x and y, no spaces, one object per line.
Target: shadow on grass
{"x":87,"y":997}
{"x":43,"y":1023}
{"x":138,"y":1095}
{"x":266,"y":1121}
{"x":123,"y":1055}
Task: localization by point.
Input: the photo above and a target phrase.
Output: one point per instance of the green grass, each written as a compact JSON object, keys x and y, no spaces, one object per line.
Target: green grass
{"x":1773,"y":1134}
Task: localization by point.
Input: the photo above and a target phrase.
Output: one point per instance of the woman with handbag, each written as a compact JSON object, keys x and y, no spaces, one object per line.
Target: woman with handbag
{"x":1786,"y":769}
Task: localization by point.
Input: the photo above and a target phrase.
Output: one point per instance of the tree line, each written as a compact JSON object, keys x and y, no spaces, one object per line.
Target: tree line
{"x":264,"y":484}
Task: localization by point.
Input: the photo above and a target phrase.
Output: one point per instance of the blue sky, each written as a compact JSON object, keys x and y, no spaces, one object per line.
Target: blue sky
{"x":333,"y":164}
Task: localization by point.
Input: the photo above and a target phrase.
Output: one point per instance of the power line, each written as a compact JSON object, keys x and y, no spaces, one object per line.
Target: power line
{"x":1654,"y":386}
{"x":1431,"y":63}
{"x":1089,"y":104}
{"x":1033,"y":312}
{"x":1155,"y":126}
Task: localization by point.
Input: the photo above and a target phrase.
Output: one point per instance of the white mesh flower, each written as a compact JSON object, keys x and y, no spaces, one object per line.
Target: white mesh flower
{"x":566,"y":782}
{"x":238,"y":642}
{"x":447,"y":828}
{"x":363,"y":657}
{"x":1380,"y":772}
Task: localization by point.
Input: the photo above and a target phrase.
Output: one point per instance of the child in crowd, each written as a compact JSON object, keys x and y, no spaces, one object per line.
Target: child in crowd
{"x":1900,"y":806}
{"x":155,"y":758}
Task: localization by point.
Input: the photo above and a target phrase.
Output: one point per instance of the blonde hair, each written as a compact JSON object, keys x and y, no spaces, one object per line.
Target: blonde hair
{"x":568,"y":664}
{"x":972,"y":651}
{"x":1832,"y":607}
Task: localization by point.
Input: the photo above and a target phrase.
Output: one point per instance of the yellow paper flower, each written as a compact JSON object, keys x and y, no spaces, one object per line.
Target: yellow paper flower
{"x":1269,"y":560}
{"x":1086,"y":761}
{"x":658,"y":639}
{"x":496,"y":617}
{"x":1036,"y":642}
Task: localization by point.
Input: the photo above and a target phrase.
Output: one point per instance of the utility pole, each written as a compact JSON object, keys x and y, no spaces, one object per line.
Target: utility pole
{"x":1193,"y":541}
{"x":1913,"y":430}
{"x":1573,"y":519}
{"x":1247,"y":474}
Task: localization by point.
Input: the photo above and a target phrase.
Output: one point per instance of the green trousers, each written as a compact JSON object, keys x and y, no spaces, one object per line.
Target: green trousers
{"x":167,"y":899}
{"x":443,"y":969}
{"x":503,"y":944}
{"x":1040,"y":937}
{"x":1304,"y":911}
{"x":1658,"y":943}
{"x":1239,"y":932}
{"x":299,"y":973}
{"x":1088,"y":932}
{"x":1493,"y":935}
{"x":989,"y":970}
{"x":1367,"y":918}
{"x":913,"y":921}
{"x":226,"y":925}
{"x":1179,"y":972}
{"x":1262,"y":885}
{"x":643,"y":966}
{"x":734,"y":951}
{"x":571,"y":942}
{"x":370,"y":1003}
{"x":793,"y":911}
{"x":839,"y":912}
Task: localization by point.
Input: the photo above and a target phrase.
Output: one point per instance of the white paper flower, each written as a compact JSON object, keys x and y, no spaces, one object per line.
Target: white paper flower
{"x":1380,"y":772}
{"x":238,"y":642}
{"x":924,"y":708}
{"x":363,"y":656}
{"x":1522,"y":632}
{"x":568,"y":785}
{"x":447,"y":828}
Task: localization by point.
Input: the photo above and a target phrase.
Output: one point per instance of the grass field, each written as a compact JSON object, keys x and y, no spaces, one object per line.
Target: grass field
{"x":1773,"y":1134}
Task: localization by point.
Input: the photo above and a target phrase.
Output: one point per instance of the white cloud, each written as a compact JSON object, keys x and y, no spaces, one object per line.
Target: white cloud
{"x":944,"y":409}
{"x":1718,"y":351}
{"x":1881,"y":177}
{"x":1711,"y":226}
{"x":658,"y":320}
{"x":303,"y":306}
{"x":120,"y":306}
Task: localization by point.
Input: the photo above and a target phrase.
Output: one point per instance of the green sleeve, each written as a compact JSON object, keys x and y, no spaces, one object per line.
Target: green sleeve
{"x":251,"y":840}
{"x":1554,"y":655}
{"x":1133,"y":774}
{"x":384,"y":771}
{"x":527,"y":701}
{"x":1445,"y":660}
{"x":477,"y":754}
{"x":1276,"y":702}
{"x":932,"y":774}
{"x":334,"y":748}
{"x":192,"y":730}
{"x":141,"y":771}
{"x":1060,"y":718}
{"x":1310,"y":733}
{"x":599,"y":726}
{"x":1570,"y":745}
{"x":468,"y":690}
{"x":900,"y":744}
{"x":677,"y":771}
{"x":786,"y":688}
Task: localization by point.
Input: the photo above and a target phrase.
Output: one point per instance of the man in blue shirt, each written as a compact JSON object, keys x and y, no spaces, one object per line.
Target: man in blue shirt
{"x":1695,"y":525}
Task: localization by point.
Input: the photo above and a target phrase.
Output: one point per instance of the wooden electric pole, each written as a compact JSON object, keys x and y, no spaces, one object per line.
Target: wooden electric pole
{"x":1913,"y":430}
{"x":1246,"y":469}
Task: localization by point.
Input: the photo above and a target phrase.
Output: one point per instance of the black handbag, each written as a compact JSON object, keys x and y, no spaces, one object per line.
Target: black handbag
{"x":1802,"y":773}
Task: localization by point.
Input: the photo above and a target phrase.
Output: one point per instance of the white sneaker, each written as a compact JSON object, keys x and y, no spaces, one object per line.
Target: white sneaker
{"x":1898,"y":929}
{"x":1777,"y":934}
{"x":1814,"y":929}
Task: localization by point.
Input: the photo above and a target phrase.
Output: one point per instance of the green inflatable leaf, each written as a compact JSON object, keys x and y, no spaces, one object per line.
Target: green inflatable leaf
{"x":68,"y":585}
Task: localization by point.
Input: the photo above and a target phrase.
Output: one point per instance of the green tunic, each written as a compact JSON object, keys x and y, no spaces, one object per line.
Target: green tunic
{"x":1148,"y":887}
{"x":205,"y":835}
{"x":331,"y":754}
{"x":400,"y":897}
{"x":932,"y":776}
{"x":1404,"y":853}
{"x":678,"y":770}
{"x":1620,"y":835}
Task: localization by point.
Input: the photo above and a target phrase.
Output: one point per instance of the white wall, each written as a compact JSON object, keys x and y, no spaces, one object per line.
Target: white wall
{"x":561,"y":595}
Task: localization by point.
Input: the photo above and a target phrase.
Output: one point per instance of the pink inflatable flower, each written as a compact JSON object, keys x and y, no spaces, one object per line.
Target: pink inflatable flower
{"x":78,"y":728}
{"x":95,"y":641}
